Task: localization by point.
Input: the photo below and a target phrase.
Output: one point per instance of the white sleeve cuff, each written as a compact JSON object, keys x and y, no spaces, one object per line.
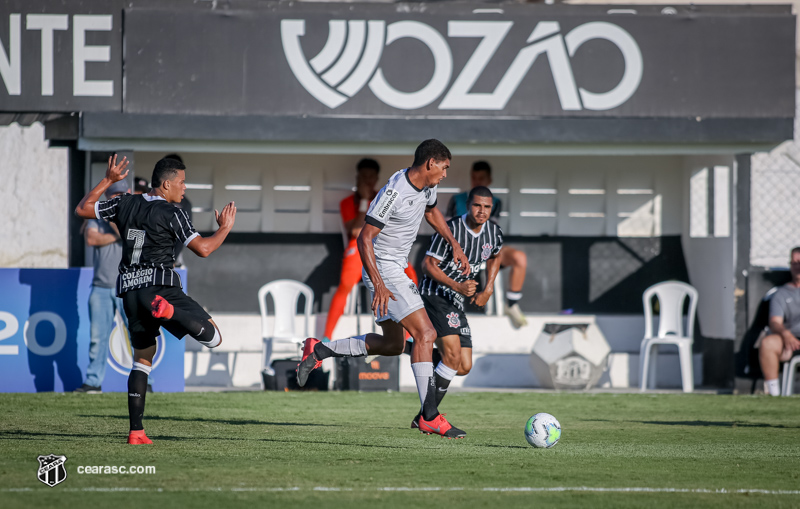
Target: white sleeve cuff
{"x":191,"y":238}
{"x":434,"y":255}
{"x":97,"y":210}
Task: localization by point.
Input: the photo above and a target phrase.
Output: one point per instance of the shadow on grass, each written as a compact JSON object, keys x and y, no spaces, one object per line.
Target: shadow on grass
{"x":719,"y":424}
{"x":237,"y":422}
{"x":34,"y":435}
{"x":288,"y":441}
{"x":498,"y":446}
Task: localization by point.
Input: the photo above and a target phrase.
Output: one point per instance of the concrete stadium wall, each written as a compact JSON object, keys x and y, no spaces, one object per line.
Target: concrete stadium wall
{"x":33,"y":199}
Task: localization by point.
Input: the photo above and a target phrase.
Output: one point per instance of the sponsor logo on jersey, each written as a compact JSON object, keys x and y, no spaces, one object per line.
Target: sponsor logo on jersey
{"x":453,"y":320}
{"x":136,"y":278}
{"x":51,"y":469}
{"x":385,"y":203}
{"x":474,"y":268}
{"x":487,"y":252}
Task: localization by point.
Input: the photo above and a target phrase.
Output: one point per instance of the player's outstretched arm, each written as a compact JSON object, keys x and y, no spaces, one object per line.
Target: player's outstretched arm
{"x":437,"y":221}
{"x":115,"y":172}
{"x":204,"y":246}
{"x":431,"y":267}
{"x":380,"y":300}
{"x":492,"y":269}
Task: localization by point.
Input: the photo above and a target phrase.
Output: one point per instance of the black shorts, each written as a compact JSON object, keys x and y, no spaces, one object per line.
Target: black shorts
{"x":143,"y":326}
{"x":447,"y":319}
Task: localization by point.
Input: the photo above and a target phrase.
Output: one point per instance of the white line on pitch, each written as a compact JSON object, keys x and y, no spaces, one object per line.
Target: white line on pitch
{"x":720,"y":491}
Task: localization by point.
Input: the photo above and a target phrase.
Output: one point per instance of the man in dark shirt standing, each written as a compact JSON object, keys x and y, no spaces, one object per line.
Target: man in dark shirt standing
{"x":151,"y":291}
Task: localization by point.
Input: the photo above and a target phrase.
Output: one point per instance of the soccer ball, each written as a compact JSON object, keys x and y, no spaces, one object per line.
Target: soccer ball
{"x":542,"y":430}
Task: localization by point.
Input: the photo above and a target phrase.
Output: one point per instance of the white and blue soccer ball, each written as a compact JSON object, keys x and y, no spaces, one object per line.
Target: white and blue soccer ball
{"x":542,"y":431}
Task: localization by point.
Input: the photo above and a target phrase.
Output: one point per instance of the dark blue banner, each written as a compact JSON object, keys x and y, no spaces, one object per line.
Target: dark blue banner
{"x":44,"y":336}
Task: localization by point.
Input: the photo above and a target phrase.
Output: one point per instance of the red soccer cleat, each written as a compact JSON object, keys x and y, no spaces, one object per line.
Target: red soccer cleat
{"x":138,"y":437}
{"x":440,"y":426}
{"x":309,"y":362}
{"x":160,"y":308}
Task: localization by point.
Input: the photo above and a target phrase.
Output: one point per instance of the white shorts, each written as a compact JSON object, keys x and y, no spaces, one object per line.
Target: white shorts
{"x":403,"y":288}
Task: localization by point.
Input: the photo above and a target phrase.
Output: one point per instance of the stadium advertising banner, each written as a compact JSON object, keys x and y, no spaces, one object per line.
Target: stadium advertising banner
{"x":394,"y":61}
{"x":44,"y":336}
{"x":448,"y":60}
{"x":60,"y":56}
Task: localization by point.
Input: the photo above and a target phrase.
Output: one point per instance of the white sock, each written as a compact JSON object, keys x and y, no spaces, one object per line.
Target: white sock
{"x":350,"y":347}
{"x":445,"y":371}
{"x":138,"y":366}
{"x":772,"y":387}
{"x":513,"y":297}
{"x":423,"y":374}
{"x":215,"y":341}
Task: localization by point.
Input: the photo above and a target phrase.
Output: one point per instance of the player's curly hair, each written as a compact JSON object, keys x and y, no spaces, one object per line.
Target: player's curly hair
{"x":431,"y":149}
{"x":165,"y":169}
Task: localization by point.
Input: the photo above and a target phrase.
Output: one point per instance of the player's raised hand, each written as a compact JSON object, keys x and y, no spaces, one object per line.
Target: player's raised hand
{"x":226,"y":218}
{"x":461,"y":259}
{"x":117,"y":170}
{"x":380,"y":300}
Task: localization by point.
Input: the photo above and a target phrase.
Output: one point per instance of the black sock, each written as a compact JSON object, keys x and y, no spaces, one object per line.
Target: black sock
{"x":436,"y":356}
{"x":429,"y":410}
{"x":441,"y":387}
{"x":511,"y":302}
{"x":323,"y":352}
{"x":137,"y":389}
{"x":199,"y":328}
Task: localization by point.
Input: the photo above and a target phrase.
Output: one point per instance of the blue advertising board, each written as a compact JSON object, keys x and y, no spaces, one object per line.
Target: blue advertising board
{"x":44,"y":336}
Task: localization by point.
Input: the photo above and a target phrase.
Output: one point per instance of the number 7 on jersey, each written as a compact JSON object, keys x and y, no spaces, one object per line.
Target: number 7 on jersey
{"x":137,"y":236}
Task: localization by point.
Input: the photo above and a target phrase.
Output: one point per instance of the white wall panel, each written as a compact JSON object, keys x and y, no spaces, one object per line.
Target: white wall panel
{"x":630,"y":196}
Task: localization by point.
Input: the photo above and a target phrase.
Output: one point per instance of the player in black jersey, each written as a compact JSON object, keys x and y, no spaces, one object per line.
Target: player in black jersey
{"x":444,"y":287}
{"x":149,"y":225}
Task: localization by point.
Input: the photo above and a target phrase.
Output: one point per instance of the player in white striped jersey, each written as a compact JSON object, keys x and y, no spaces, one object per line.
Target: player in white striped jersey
{"x":149,"y":225}
{"x":392,"y":224}
{"x":444,"y":287}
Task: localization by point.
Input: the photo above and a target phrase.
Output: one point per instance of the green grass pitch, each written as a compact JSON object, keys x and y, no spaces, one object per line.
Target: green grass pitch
{"x":356,"y":449}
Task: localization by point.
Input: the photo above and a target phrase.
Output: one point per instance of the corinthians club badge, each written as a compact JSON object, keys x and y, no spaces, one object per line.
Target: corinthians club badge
{"x":51,"y":469}
{"x":452,"y":320}
{"x":487,"y":252}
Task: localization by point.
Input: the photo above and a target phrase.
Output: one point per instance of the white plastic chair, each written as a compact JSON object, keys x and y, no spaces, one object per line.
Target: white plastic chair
{"x":285,"y":294}
{"x":671,"y":296}
{"x":789,"y":370}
